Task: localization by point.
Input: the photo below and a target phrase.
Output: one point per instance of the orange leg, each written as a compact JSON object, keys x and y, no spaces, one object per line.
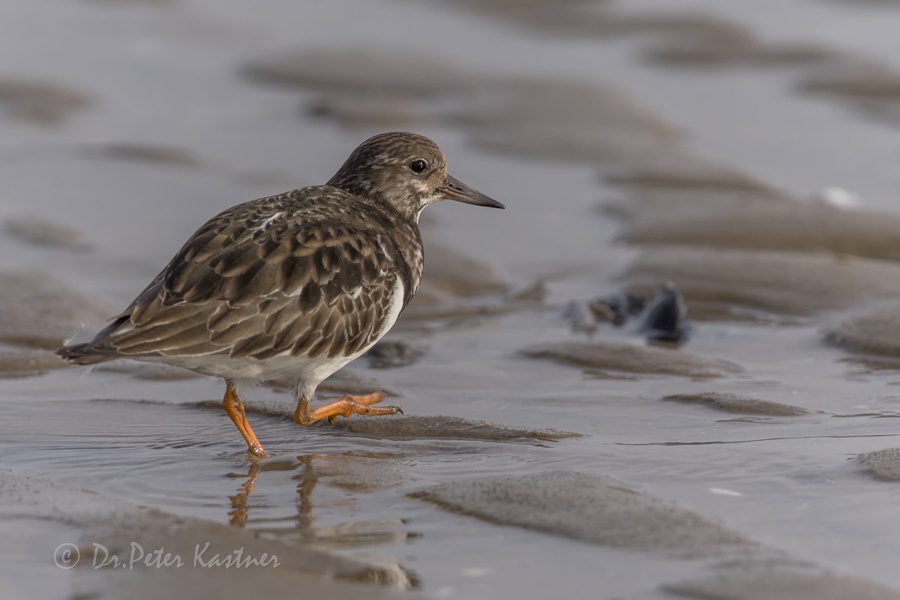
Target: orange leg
{"x":346,"y":406}
{"x":235,"y":409}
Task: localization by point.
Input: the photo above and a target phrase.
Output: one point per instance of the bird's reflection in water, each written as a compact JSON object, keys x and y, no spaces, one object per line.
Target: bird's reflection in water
{"x":349,"y":537}
{"x":311,"y":469}
{"x":240,"y":508}
{"x":307,"y":477}
{"x":307,"y":480}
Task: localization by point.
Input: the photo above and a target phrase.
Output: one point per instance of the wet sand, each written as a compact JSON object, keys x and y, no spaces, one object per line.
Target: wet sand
{"x":748,"y":159}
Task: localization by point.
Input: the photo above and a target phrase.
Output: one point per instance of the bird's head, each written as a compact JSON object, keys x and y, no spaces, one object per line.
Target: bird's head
{"x":405,"y":171}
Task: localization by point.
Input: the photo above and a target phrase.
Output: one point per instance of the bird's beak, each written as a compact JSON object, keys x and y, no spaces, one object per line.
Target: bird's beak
{"x":454,"y":189}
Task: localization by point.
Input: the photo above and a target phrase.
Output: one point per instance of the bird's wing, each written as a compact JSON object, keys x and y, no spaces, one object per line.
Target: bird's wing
{"x":262,"y":283}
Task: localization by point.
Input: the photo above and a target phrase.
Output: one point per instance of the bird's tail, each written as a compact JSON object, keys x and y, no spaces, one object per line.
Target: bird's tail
{"x":83,"y":354}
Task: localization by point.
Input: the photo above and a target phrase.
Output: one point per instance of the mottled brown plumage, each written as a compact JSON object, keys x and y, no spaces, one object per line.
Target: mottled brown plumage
{"x":305,"y":272}
{"x":295,"y":285}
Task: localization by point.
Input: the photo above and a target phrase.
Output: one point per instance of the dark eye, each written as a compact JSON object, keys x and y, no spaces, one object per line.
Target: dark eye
{"x":418,"y":165}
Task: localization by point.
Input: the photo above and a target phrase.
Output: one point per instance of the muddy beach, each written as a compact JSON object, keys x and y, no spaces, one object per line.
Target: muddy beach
{"x":744,"y":154}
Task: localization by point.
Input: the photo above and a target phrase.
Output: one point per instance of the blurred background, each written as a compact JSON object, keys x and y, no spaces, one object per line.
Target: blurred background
{"x":743,"y":157}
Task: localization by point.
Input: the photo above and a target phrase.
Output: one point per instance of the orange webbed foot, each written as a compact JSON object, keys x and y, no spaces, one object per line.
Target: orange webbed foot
{"x":345,"y":407}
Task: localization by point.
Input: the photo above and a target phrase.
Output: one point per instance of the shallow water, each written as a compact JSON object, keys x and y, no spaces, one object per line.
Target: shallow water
{"x":171,"y":130}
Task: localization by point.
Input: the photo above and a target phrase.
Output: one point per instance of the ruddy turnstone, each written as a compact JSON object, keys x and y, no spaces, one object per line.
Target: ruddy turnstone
{"x":295,"y":286}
